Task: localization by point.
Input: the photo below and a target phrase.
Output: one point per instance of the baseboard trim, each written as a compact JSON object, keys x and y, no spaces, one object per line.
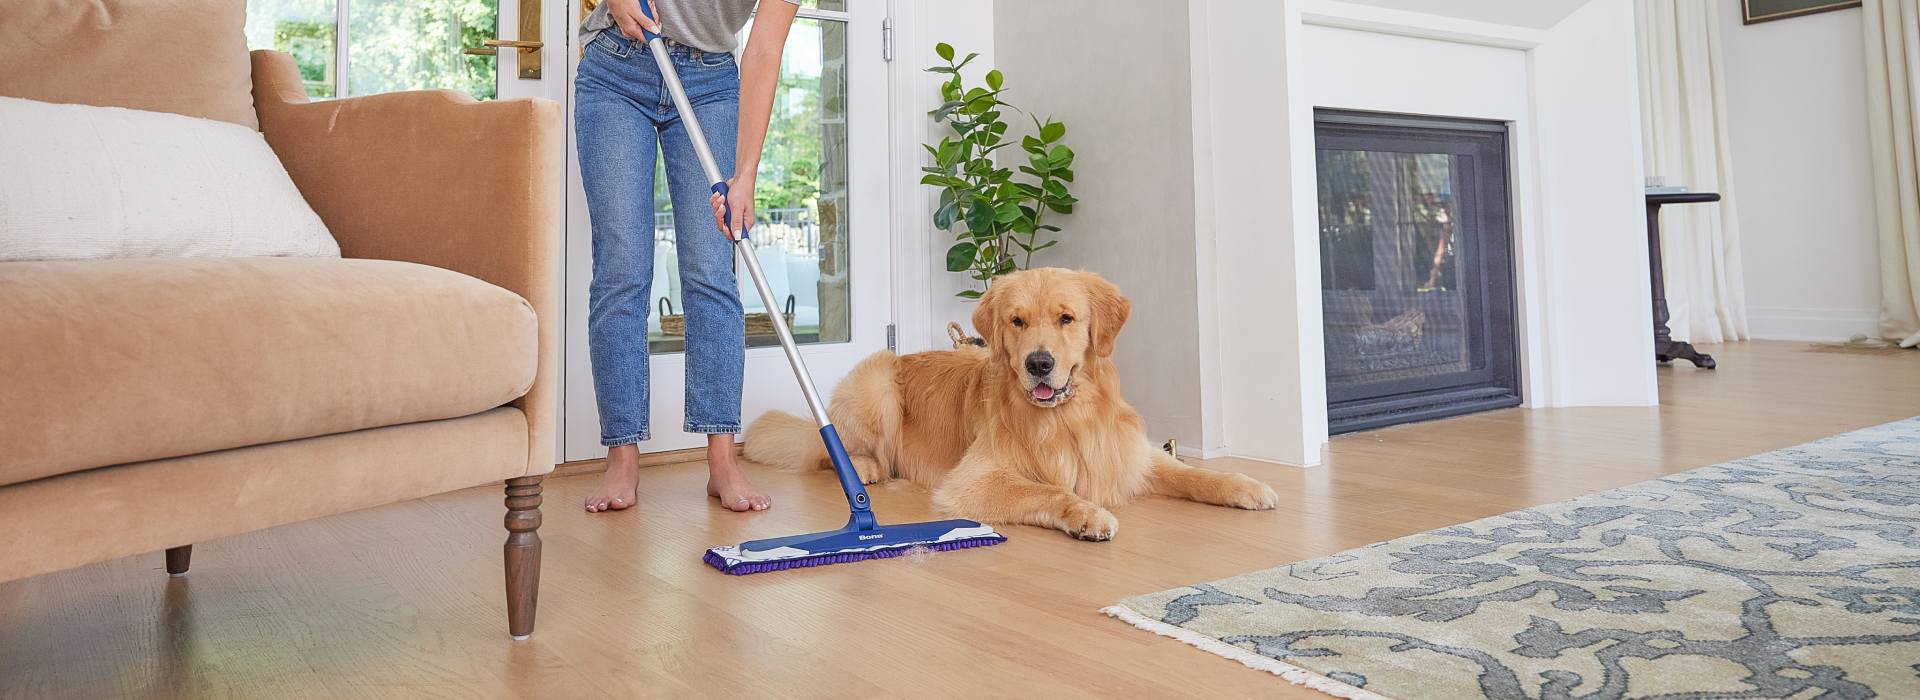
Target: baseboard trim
{"x":1812,"y":325}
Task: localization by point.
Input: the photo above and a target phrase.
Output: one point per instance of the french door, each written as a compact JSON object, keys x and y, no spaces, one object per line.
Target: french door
{"x":821,"y":238}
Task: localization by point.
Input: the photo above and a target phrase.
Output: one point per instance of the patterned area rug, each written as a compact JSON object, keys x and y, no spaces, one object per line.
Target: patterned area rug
{"x":1792,"y":574}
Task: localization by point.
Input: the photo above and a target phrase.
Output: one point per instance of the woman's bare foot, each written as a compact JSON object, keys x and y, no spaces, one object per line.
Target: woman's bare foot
{"x":618,"y":489}
{"x":726,"y":482}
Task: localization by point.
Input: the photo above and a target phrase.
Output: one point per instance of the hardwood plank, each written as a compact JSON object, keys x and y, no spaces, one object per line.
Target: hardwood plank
{"x":406,"y":601}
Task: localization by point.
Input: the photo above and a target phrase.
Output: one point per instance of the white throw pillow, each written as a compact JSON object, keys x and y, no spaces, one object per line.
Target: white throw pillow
{"x":82,"y":182}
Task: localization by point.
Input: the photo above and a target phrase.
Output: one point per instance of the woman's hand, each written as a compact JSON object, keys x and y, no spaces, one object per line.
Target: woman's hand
{"x":740,"y":195}
{"x":627,"y":14}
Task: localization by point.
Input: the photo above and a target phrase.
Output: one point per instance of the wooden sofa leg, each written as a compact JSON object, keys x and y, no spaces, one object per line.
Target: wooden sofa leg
{"x":177,"y":560}
{"x":523,"y":554}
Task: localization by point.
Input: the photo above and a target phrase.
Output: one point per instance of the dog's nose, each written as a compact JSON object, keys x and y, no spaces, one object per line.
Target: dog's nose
{"x":1039,"y":363}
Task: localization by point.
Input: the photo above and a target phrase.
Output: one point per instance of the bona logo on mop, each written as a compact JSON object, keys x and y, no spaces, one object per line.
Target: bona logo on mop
{"x":871,"y":537}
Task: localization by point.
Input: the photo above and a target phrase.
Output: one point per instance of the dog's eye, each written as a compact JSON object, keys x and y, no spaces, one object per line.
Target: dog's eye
{"x":1017,"y":323}
{"x":1066,"y":319}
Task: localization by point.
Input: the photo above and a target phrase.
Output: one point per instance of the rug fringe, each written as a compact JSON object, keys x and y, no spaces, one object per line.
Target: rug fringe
{"x":1291,"y":673}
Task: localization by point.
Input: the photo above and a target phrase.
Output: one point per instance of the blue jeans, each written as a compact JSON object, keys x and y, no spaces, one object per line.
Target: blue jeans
{"x":621,"y":111}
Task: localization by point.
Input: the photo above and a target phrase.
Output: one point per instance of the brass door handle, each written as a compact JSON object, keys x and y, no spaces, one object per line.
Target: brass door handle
{"x":524,"y":46}
{"x":529,"y":68}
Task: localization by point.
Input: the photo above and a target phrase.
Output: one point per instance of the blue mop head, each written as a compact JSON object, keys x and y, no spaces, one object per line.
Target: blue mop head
{"x":849,"y":544}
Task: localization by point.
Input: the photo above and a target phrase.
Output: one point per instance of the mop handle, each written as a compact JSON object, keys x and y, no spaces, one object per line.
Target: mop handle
{"x":842,"y":466}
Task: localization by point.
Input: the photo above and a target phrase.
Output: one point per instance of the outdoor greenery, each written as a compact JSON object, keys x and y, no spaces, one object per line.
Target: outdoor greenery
{"x":397,"y":44}
{"x":789,"y":175}
{"x":991,"y":214}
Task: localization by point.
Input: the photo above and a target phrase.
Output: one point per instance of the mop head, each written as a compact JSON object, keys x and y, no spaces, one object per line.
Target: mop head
{"x":848,"y":544}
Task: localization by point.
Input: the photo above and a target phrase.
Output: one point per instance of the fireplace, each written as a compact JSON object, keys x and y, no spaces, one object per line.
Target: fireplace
{"x":1416,"y":268}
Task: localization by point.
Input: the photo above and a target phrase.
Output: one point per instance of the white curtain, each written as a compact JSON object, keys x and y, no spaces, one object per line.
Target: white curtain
{"x":1893,"y":62}
{"x":1683,"y":112}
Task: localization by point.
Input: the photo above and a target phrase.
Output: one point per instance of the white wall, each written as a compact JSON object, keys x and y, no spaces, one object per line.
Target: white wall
{"x":1125,"y":105}
{"x":1797,"y":108}
{"x":1591,"y":263}
{"x":1266,"y":277}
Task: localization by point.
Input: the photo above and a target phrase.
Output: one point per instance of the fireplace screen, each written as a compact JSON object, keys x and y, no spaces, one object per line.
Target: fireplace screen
{"x":1415,"y":269}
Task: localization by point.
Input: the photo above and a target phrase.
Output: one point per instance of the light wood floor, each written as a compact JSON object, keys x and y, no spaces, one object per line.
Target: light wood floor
{"x":405,"y":600}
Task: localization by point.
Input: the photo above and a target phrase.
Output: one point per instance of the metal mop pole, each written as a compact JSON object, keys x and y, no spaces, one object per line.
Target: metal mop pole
{"x":842,"y":466}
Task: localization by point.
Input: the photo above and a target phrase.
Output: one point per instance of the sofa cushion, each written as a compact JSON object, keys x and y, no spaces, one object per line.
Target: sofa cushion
{"x":105,"y":182}
{"x":118,"y":361}
{"x":181,"y":56}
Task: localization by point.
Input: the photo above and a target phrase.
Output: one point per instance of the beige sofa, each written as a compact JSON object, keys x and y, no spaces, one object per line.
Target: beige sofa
{"x":151,"y":404}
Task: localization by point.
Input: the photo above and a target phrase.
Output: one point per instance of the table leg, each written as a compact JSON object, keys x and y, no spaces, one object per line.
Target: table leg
{"x":1664,"y":347}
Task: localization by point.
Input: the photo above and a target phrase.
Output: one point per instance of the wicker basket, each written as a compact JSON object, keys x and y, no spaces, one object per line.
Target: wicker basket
{"x":757,"y":324}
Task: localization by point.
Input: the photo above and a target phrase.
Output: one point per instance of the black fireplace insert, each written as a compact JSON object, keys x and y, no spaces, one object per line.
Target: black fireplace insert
{"x":1416,"y":268}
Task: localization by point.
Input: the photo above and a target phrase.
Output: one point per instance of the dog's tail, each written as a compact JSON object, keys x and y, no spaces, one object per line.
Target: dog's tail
{"x":786,"y":441}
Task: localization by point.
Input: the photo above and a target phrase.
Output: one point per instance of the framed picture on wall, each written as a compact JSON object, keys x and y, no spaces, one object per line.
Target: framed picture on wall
{"x":1768,"y":10}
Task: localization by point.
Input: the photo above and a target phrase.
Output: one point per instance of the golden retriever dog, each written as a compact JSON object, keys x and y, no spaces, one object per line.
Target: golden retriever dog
{"x":1029,"y":430}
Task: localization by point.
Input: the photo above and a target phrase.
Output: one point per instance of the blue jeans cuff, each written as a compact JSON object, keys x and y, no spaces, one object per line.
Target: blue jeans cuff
{"x":628,"y":440}
{"x":713,"y":429}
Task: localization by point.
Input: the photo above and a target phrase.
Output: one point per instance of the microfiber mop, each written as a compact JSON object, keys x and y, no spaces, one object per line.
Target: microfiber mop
{"x":863,"y":537}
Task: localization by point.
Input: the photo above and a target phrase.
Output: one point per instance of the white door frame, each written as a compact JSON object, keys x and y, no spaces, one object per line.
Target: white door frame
{"x":769,"y":381}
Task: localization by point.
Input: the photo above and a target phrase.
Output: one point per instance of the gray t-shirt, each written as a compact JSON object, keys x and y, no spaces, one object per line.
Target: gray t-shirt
{"x":707,"y":25}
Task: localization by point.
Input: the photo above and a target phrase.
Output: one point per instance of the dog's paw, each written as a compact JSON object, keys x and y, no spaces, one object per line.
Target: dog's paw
{"x":1090,"y":522}
{"x":1253,"y":495}
{"x":868,"y":468}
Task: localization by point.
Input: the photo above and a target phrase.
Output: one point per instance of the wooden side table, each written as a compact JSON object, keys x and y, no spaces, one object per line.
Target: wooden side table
{"x":1664,"y":347}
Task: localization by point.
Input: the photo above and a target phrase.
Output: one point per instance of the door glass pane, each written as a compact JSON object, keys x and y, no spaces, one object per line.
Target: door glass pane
{"x":395,"y":44}
{"x":801,"y":236}
{"x":1389,"y":273}
{"x":417,"y":44}
{"x":303,"y":29}
{"x":834,"y":5}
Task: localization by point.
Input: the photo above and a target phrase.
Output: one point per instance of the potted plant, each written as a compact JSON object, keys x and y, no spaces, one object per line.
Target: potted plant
{"x":996,"y":220}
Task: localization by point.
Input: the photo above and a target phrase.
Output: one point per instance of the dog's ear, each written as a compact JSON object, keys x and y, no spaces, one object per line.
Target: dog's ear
{"x":1109,"y":310}
{"x":986,"y":318}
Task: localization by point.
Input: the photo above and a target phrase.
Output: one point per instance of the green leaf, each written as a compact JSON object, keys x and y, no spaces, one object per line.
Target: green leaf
{"x":1064,"y":174}
{"x":1061,"y":208}
{"x":946,"y":197}
{"x":960,"y":256}
{"x":940,"y":113}
{"x":1040,"y":164}
{"x":1048,"y":244}
{"x":944,"y":216}
{"x":979,"y":106}
{"x":1060,"y":156}
{"x":940,"y":69}
{"x":968,"y":294}
{"x":979,"y":216}
{"x":989,"y":253}
{"x":945,"y":51}
{"x":1023,"y":226}
{"x":1052,"y":131}
{"x":1006,"y":212}
{"x":993,"y":79}
{"x":1032,"y":144}
{"x":1057,"y":189}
